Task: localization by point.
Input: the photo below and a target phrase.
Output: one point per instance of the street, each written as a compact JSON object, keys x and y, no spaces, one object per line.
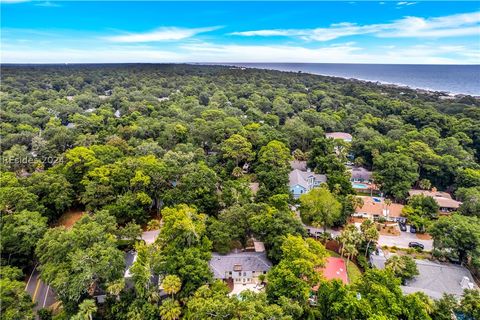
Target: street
{"x":40,"y":292}
{"x":400,"y":241}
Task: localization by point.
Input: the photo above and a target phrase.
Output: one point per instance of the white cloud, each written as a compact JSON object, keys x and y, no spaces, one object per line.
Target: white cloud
{"x":12,"y":1}
{"x":160,"y":34}
{"x":466,"y":24}
{"x":405,"y":3}
{"x":211,"y":52}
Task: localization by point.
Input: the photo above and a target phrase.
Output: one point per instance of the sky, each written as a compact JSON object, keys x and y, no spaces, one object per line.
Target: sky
{"x":422,"y":32}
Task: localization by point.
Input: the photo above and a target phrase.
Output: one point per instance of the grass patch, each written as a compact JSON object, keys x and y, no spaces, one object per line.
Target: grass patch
{"x":353,"y":271}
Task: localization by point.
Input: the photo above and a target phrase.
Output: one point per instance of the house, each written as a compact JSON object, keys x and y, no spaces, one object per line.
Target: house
{"x":434,"y":279}
{"x":339,"y":135}
{"x":301,"y":182}
{"x":376,"y":207}
{"x":301,"y":179}
{"x":443,"y":199}
{"x":360,"y":174}
{"x":240,"y":269}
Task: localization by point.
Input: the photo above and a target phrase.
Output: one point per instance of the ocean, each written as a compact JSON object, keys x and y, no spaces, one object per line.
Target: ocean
{"x":455,"y":79}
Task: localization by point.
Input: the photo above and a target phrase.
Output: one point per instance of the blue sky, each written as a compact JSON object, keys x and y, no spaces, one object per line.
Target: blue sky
{"x":423,"y":32}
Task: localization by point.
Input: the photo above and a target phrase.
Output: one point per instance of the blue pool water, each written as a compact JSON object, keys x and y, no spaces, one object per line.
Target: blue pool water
{"x":356,"y":185}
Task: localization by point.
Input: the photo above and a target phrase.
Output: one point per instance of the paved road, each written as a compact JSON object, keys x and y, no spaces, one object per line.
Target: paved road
{"x":150,"y":236}
{"x":400,"y":241}
{"x":40,"y":292}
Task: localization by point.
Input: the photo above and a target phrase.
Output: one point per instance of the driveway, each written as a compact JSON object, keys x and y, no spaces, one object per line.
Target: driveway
{"x":402,"y":241}
{"x":40,"y":292}
{"x":150,"y":236}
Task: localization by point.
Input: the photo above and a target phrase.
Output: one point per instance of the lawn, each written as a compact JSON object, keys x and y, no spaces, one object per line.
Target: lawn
{"x":353,"y":271}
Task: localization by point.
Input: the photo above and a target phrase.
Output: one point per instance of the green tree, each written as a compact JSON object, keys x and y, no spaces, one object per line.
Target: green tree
{"x":470,"y":303}
{"x":403,"y":267}
{"x":271,"y":225}
{"x":171,"y":284}
{"x":369,"y":233}
{"x":457,"y":236}
{"x":273,"y":168}
{"x":444,"y":307}
{"x":170,"y":310}
{"x":20,"y":233}
{"x":78,"y":260}
{"x":395,"y":173}
{"x":297,"y":272}
{"x":86,"y":309}
{"x":470,"y":198}
{"x":16,"y":303}
{"x":54,"y":192}
{"x":237,"y":148}
{"x":319,"y":208}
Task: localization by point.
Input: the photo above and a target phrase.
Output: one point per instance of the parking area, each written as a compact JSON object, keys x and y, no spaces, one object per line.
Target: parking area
{"x":403,"y":240}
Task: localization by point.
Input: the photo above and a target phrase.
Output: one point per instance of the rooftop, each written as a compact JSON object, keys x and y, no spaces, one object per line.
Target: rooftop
{"x":443,"y":199}
{"x":300,"y":165}
{"x":376,"y":206}
{"x":248,"y":261}
{"x":339,"y":135}
{"x":298,"y":177}
{"x":435,"y":279}
{"x":360,"y":173}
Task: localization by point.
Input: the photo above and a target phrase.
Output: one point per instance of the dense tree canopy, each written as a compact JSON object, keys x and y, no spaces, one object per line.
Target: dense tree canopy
{"x":205,"y":152}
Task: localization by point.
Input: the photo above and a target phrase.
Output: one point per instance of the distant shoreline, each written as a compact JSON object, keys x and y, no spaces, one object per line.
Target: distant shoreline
{"x":399,"y":85}
{"x":287,"y":67}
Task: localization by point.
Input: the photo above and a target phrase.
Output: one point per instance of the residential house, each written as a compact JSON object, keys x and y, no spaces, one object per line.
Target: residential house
{"x":360,"y":174}
{"x":301,"y":182}
{"x":443,"y":199}
{"x":434,"y":279}
{"x":374,"y":207}
{"x":239,"y":269}
{"x":339,"y":135}
{"x":301,"y":179}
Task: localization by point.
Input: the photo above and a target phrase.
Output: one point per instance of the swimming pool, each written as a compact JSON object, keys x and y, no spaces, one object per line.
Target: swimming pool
{"x":357,"y":185}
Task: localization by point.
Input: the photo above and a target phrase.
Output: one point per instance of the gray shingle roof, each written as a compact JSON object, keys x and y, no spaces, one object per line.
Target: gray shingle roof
{"x":249,"y":261}
{"x":435,"y":279}
{"x":301,"y":178}
{"x":361,"y":173}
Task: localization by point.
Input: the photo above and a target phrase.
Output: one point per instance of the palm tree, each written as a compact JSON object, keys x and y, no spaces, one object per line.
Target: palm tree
{"x":388,"y":203}
{"x":171,"y":284}
{"x":85,"y":310}
{"x":395,"y":263}
{"x":170,"y":310}
{"x":351,"y":251}
{"x":369,"y":232}
{"x":350,"y":236}
{"x":116,"y":288}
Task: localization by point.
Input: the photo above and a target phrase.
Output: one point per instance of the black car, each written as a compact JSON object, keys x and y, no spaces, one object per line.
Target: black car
{"x":402,"y":226}
{"x":413,"y":229}
{"x":415,"y":245}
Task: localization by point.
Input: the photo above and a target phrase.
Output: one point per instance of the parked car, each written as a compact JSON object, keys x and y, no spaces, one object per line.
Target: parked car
{"x":402,"y":226}
{"x":416,"y":245}
{"x":413,"y":229}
